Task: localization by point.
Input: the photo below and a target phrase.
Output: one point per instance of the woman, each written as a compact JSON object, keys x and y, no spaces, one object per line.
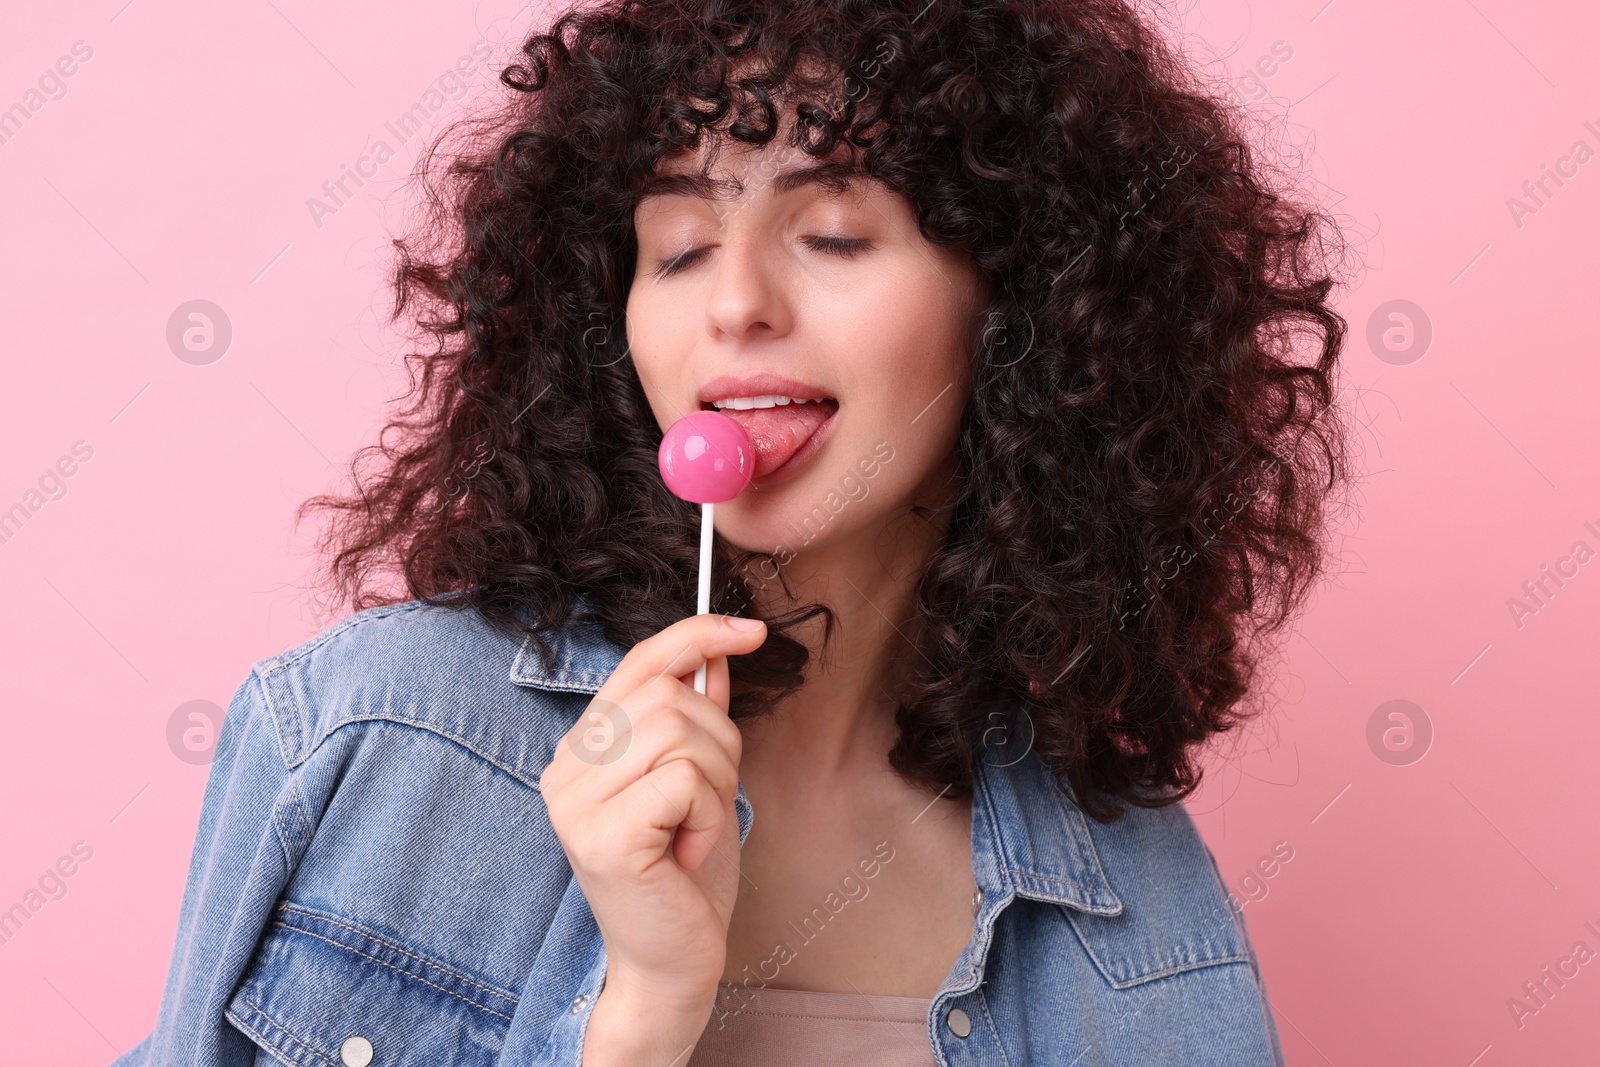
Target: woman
{"x":1011,"y":320}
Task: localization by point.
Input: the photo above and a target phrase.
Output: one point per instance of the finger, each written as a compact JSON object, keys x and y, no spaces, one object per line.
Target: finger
{"x":718,"y":689}
{"x":693,"y":845}
{"x":707,"y":713}
{"x":674,"y":796}
{"x":718,"y":694}
{"x":679,"y":649}
{"x":673,"y":734}
{"x":663,"y":730}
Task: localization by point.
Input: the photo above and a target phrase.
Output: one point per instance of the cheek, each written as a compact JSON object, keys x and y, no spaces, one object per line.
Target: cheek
{"x":910,"y":398}
{"x":921,"y":392}
{"x":925,"y":451}
{"x":935,"y":330}
{"x":649,"y":339}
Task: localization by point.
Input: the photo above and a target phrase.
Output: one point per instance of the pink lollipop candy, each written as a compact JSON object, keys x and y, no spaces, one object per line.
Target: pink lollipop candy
{"x":706,"y":458}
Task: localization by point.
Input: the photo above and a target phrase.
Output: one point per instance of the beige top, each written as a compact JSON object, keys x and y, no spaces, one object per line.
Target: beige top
{"x":769,"y":1027}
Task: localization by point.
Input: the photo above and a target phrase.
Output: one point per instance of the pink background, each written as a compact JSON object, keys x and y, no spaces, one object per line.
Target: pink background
{"x":1420,"y":896}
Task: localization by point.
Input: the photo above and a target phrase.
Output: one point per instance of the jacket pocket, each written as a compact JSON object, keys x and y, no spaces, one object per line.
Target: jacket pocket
{"x":1163,"y":937}
{"x":323,"y":991}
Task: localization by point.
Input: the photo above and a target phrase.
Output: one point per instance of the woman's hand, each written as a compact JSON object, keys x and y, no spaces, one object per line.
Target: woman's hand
{"x":640,"y":793}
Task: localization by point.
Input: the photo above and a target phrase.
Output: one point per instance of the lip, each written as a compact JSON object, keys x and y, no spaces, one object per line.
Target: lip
{"x":729,"y":385}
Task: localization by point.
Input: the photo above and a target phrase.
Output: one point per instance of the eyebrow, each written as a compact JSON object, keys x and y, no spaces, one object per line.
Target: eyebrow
{"x":835,"y":176}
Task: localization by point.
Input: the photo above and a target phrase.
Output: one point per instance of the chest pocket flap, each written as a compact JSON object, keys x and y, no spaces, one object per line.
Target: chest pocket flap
{"x":1176,"y":915}
{"x":323,"y":990}
{"x":1129,"y":951}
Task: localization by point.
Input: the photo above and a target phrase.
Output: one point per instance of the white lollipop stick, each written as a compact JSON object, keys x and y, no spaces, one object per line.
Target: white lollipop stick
{"x":703,"y":601}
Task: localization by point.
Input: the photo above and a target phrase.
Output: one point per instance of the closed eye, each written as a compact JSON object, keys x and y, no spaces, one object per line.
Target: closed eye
{"x":847,"y":247}
{"x":673,"y":264}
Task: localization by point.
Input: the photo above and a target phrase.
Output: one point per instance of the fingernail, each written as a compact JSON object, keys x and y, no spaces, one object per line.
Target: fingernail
{"x":744,"y":624}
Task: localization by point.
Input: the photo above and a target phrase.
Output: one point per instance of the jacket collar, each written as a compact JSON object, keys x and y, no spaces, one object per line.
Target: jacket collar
{"x":1029,"y":837}
{"x":1029,"y":833}
{"x":584,"y":659}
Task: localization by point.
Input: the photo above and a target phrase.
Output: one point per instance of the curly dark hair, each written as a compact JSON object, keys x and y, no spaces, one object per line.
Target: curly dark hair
{"x":1147,"y":461}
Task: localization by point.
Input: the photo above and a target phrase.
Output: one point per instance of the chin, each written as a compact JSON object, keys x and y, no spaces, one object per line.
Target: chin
{"x":773,"y":531}
{"x":785,"y":524}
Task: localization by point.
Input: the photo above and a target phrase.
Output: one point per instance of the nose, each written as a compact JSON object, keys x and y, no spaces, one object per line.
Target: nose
{"x":748,"y":298}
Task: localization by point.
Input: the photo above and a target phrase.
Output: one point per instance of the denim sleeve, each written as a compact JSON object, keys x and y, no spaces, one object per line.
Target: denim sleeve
{"x":250,"y":821}
{"x":1266,"y":1004}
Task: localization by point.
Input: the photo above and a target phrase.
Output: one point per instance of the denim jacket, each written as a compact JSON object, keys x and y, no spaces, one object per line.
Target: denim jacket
{"x":375,"y":880}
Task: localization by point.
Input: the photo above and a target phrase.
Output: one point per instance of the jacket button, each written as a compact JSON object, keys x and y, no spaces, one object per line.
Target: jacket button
{"x":958,"y":1022}
{"x":578,"y":1002}
{"x":355,"y":1052}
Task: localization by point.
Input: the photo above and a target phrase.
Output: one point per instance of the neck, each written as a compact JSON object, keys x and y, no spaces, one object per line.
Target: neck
{"x":840,"y":724}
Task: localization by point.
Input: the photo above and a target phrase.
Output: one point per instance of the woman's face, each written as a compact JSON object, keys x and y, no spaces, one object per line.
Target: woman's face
{"x":824,"y":323}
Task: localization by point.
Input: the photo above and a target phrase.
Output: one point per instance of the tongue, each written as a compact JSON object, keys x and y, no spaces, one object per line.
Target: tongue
{"x":778,"y":432}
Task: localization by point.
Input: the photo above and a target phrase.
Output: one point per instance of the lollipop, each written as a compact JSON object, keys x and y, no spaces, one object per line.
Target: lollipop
{"x":706,"y":458}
